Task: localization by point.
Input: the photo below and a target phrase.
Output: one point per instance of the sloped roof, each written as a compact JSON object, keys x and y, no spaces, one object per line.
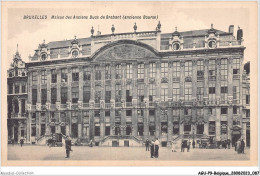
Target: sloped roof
{"x":193,"y":33}
{"x":66,"y":43}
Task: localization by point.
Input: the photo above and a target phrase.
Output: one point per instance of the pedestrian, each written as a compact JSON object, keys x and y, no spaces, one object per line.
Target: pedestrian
{"x":182,"y":146}
{"x":147,"y":145}
{"x":173,"y":147}
{"x":235,"y":144}
{"x":12,"y":141}
{"x":91,"y":143}
{"x":156,"y":148}
{"x":188,"y":146}
{"x":225,"y":144}
{"x":21,"y":142}
{"x":242,"y":146}
{"x":152,"y":148}
{"x":238,"y":146}
{"x":193,"y":144}
{"x":68,"y":148}
{"x":228,"y":143}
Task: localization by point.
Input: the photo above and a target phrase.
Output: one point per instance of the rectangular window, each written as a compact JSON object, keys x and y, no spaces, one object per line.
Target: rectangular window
{"x":128,"y":112}
{"x":23,"y":106}
{"x":236,"y":110}
{"x":188,"y":94}
{"x":164,"y":70}
{"x":10,"y":88}
{"x":43,"y":96}
{"x":236,"y":66}
{"x":223,"y":69}
{"x":223,"y":126}
{"x":53,"y":76}
{"x":107,"y":113}
{"x":212,"y":111}
{"x":128,"y":93}
{"x":129,"y":71}
{"x":151,"y":92}
{"x":75,"y":74}
{"x":176,"y":69}
{"x":64,"y":95}
{"x":152,"y":70}
{"x":87,"y":74}
{"x":118,"y":93}
{"x":107,"y":131}
{"x":34,"y":77}
{"x":97,"y":96}
{"x":200,"y":93}
{"x":224,"y":111}
{"x":23,"y":88}
{"x":188,"y":68}
{"x":175,"y":94}
{"x":97,"y":72}
{"x":107,"y":96}
{"x":200,"y":68}
{"x":53,"y":95}
{"x":176,"y":112}
{"x":212,"y":90}
{"x":86,"y":94}
{"x":96,"y":113}
{"x":140,"y":92}
{"x":118,"y":113}
{"x":151,"y":112}
{"x":236,"y":93}
{"x":140,"y":71}
{"x":34,"y":96}
{"x":176,"y":128}
{"x":212,"y":67}
{"x":164,"y":92}
{"x":200,"y":112}
{"x":33,"y":131}
{"x":64,"y":75}
{"x":118,"y":71}
{"x":75,"y":94}
{"x":212,"y":128}
{"x":187,"y":111}
{"x":107,"y":72}
{"x":247,"y":99}
{"x":97,"y":130}
{"x":223,"y":90}
{"x":140,"y":113}
{"x":247,"y":112}
{"x":17,"y":88}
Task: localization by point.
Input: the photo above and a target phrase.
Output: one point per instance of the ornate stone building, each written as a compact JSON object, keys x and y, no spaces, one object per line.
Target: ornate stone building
{"x":119,"y":89}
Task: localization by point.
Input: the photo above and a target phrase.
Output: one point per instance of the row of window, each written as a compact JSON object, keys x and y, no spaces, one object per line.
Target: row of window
{"x":140,"y":129}
{"x":17,"y":88}
{"x":140,"y":71}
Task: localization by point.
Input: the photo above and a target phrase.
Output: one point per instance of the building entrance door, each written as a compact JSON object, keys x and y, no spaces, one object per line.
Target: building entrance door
{"x":126,"y":143}
{"x":15,"y":134}
{"x":236,"y":135}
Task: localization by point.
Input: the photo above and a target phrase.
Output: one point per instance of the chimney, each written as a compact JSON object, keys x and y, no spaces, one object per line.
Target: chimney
{"x":231,"y":29}
{"x":239,"y":34}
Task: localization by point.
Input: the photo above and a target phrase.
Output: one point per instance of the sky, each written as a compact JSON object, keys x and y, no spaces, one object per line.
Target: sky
{"x":28,"y":34}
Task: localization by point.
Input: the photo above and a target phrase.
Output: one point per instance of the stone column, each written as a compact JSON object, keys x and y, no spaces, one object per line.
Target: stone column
{"x":58,"y":71}
{"x":47,"y":126}
{"x":68,"y":123}
{"x":182,"y":79}
{"x":20,"y":108}
{"x":206,"y":125}
{"x":80,"y":102}
{"x":123,"y":111}
{"x":69,"y":84}
{"x":28,"y":128}
{"x":102,"y":101}
{"x":92,"y":103}
{"x":48,"y":103}
{"x":146,"y":100}
{"x":112,"y":110}
{"x":230,"y":95}
{"x":170,"y":124}
{"x":218,"y":124}
{"x":206,"y":79}
{"x":229,"y":121}
{"x":158,"y":98}
{"x":218,"y":79}
{"x":134,"y":101}
{"x":181,"y":124}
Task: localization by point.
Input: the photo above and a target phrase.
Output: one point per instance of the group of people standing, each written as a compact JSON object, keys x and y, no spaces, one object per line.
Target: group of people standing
{"x":240,"y":146}
{"x":153,"y":146}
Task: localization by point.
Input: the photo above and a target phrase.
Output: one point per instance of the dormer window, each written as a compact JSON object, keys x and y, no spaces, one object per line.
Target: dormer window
{"x":212,"y":44}
{"x":175,"y":46}
{"x":75,"y":53}
{"x":10,"y":74}
{"x":43,"y":57}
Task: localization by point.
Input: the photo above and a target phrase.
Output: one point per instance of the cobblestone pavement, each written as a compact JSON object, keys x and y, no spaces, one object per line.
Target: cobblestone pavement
{"x":34,"y":152}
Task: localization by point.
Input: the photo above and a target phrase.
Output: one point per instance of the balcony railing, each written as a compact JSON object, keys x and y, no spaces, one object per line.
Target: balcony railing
{"x":107,"y":105}
{"x":118,"y":104}
{"x":85,"y":105}
{"x":128,"y":104}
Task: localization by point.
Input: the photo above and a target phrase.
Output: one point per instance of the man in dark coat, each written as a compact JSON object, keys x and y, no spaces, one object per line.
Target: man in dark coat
{"x":156,"y":148}
{"x":68,"y":148}
{"x":152,"y":149}
{"x":21,"y":142}
{"x":147,"y":145}
{"x":242,"y":146}
{"x":228,"y":143}
{"x":193,"y":144}
{"x":182,"y":146}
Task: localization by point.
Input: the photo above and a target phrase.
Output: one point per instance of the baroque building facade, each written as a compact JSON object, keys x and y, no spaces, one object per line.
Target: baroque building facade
{"x":120,"y":89}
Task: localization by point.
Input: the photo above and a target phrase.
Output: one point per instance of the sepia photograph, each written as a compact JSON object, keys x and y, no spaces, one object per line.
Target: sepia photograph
{"x":129,"y":83}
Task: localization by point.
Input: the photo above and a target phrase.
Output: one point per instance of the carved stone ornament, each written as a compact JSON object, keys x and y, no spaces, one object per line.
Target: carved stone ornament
{"x":80,"y":104}
{"x":112,"y":102}
{"x":118,"y":82}
{"x":230,"y":100}
{"x":58,"y":106}
{"x":48,"y":106}
{"x":123,"y":103}
{"x":218,"y":101}
{"x":29,"y":107}
{"x":102,"y":104}
{"x":97,"y":83}
{"x":194,"y":102}
{"x":230,"y":60}
{"x":182,"y":63}
{"x":68,"y":104}
{"x":91,"y":104}
{"x":128,"y":81}
{"x":38,"y":106}
{"x":164,"y":80}
{"x":124,"y":51}
{"x":151,"y":80}
{"x":194,"y":61}
{"x":188,"y":79}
